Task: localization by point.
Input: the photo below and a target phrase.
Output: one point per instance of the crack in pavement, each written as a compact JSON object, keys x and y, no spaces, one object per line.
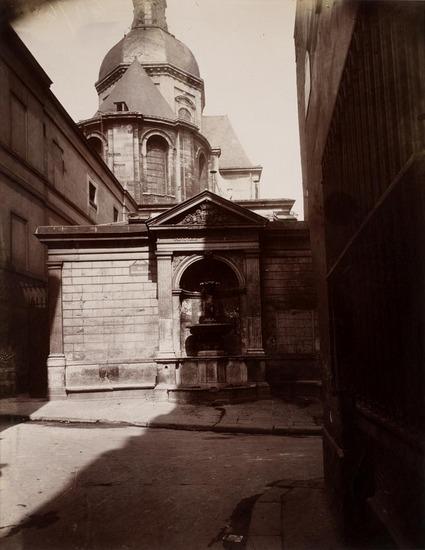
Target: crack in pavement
{"x":222,"y":412}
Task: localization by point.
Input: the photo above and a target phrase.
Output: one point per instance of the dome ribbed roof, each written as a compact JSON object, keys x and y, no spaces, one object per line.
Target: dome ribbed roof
{"x":150,"y":45}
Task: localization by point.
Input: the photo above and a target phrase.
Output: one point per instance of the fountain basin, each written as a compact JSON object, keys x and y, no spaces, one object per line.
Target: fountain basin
{"x":209,"y":337}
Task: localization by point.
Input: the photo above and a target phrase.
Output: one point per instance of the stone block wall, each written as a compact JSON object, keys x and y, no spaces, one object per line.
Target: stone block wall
{"x":122,"y":147}
{"x":119,"y":306}
{"x":166,"y":174}
{"x":289,"y":311}
{"x":237,"y":186}
{"x":296,"y":331}
{"x":191,"y":186}
{"x":110,"y":321}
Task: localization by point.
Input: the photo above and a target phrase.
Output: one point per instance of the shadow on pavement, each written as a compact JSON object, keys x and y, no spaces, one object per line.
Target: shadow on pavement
{"x":86,"y":487}
{"x":17,"y":410}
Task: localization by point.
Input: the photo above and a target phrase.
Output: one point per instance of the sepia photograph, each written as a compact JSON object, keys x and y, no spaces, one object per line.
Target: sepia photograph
{"x":212,"y":274}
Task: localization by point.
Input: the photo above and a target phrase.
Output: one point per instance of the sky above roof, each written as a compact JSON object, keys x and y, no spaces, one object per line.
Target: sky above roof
{"x":244,"y":49}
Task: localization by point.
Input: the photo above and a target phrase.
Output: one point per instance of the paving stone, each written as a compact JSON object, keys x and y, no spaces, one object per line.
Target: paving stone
{"x":266,"y":519}
{"x":272,"y":495}
{"x":307,"y":522}
{"x":137,"y":488}
{"x":264,"y":543}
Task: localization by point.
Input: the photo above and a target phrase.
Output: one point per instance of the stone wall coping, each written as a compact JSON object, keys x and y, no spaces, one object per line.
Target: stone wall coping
{"x":55,"y":233}
{"x":136,"y":231}
{"x":98,"y":237}
{"x":234,"y":357}
{"x":276,"y":225}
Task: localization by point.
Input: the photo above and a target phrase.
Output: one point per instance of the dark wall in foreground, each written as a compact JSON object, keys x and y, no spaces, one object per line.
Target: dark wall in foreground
{"x":362,"y":140}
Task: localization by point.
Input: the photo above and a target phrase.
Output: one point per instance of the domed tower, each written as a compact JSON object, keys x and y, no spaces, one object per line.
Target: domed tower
{"x":150,"y":127}
{"x":151,"y":98}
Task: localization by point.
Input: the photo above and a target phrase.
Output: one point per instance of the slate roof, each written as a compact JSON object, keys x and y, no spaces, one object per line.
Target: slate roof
{"x":140,"y":94}
{"x":220,"y":133}
{"x":151,"y":45}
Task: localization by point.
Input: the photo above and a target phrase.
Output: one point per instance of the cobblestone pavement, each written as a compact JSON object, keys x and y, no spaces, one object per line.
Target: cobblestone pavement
{"x":102,"y":487}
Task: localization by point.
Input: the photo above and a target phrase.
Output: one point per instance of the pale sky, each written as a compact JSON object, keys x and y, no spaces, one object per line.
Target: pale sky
{"x":245,"y":51}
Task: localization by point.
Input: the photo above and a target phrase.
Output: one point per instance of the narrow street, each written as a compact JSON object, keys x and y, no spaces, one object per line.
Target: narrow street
{"x":83,"y":487}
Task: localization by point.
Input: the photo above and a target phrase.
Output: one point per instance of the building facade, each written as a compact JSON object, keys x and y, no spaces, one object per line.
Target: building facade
{"x":131,"y":302}
{"x":129,"y":298}
{"x":361,"y":80}
{"x":48,"y":176}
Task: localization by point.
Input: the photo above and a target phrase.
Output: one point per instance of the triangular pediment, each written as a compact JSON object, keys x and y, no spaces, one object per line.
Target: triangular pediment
{"x":207,"y":210}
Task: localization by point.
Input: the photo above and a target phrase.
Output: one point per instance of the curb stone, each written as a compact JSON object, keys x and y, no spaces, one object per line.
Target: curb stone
{"x":233,"y":428}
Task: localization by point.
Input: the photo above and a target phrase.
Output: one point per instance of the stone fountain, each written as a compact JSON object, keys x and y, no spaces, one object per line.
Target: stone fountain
{"x":213,"y":370}
{"x":209,"y":333}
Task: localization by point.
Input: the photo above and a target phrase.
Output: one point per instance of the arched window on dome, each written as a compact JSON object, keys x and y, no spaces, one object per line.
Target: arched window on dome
{"x":185,"y":114}
{"x":202,"y":172}
{"x":96,"y":145}
{"x":156,"y":165}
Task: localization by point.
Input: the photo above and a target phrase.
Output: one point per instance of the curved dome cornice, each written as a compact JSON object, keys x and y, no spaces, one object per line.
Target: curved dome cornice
{"x":151,"y":46}
{"x":152,"y":70}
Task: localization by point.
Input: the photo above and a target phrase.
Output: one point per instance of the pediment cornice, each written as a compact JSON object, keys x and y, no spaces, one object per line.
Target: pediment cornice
{"x":207,"y":210}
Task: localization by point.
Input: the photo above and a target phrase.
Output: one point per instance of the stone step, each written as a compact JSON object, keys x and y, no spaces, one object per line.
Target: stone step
{"x":236,"y":394}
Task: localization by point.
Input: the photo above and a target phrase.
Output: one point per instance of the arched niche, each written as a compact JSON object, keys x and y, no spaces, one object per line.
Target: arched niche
{"x":156,"y":132}
{"x":185,"y":114}
{"x":185,"y":102}
{"x":227,"y":300}
{"x":199,"y":257}
{"x":97,"y":144}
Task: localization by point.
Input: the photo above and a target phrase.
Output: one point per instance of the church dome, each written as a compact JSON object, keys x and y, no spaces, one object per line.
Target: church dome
{"x":151,"y":46}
